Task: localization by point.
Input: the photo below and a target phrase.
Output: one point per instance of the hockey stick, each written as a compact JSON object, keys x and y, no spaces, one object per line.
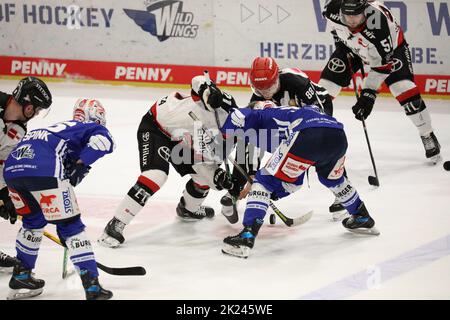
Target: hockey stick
{"x":127,"y":271}
{"x":287,"y":221}
{"x":234,"y":217}
{"x":373,"y":180}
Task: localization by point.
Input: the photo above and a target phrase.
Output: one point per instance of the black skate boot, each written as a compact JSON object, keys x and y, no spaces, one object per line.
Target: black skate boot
{"x":240,"y":245}
{"x":338,"y":211}
{"x":8,"y":261}
{"x":361,"y":222}
{"x":432,"y":148}
{"x":186,"y":215}
{"x":112,"y":236}
{"x":228,"y":210}
{"x":92,"y":287}
{"x":23,"y":285}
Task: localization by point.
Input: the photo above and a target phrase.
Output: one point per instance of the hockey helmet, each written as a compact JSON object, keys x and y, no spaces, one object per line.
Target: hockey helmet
{"x":32,"y":91}
{"x":264,"y":76}
{"x":261,"y":105}
{"x":89,"y":110}
{"x":353,"y":7}
{"x":353,"y":12}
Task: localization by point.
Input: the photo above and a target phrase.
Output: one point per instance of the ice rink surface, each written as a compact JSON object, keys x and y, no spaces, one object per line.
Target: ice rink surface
{"x":318,"y":260}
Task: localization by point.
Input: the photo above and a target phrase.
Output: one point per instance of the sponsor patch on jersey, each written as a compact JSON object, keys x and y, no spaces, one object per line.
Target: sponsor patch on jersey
{"x":293,"y":168}
{"x":338,"y":169}
{"x":337,"y":65}
{"x":19,"y":203}
{"x":164,"y":152}
{"x":67,"y":202}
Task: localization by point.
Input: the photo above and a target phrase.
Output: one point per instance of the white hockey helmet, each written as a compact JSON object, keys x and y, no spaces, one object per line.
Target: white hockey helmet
{"x":89,"y":110}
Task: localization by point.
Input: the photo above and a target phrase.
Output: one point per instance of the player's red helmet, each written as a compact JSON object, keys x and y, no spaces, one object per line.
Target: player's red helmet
{"x":264,"y":76}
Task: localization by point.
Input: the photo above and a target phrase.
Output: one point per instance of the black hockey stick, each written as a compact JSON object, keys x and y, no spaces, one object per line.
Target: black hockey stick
{"x":234,"y":217}
{"x":287,"y":221}
{"x":373,"y":180}
{"x":126,"y":271}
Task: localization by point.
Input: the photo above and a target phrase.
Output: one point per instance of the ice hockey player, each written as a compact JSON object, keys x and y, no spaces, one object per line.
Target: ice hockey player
{"x":41,"y":173}
{"x":167,"y":135}
{"x":366,"y":33}
{"x":297,"y":139}
{"x":285,"y":87}
{"x":27,"y":100}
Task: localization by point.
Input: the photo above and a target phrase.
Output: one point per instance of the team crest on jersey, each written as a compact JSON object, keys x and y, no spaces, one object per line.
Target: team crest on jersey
{"x":23,"y":152}
{"x":165,"y":19}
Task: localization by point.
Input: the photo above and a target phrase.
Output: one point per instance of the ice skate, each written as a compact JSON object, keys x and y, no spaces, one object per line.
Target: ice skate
{"x":361,"y":222}
{"x":112,"y":236}
{"x":186,"y":215}
{"x":432,"y":148}
{"x":7,"y":262}
{"x":337,"y":210}
{"x":23,"y":285}
{"x":92,"y":287}
{"x":228,"y":210}
{"x":241,"y":244}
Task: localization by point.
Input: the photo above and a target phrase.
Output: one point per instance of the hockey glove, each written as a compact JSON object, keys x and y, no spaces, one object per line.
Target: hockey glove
{"x":7,"y":209}
{"x":213,"y":98}
{"x":364,"y":105}
{"x":223,"y":181}
{"x":77,"y":174}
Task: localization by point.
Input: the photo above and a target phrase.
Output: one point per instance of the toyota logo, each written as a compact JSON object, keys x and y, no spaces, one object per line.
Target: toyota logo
{"x":337,"y":65}
{"x":164,"y":152}
{"x":397,"y":65}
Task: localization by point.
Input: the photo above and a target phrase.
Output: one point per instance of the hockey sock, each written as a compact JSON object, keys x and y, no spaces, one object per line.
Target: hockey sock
{"x":345,"y":193}
{"x":194,"y":195}
{"x":28,"y":242}
{"x":81,"y":254}
{"x":422,"y":121}
{"x":257,"y":204}
{"x":148,"y":183}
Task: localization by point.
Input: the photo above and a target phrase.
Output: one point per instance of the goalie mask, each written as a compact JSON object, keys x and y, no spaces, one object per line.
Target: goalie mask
{"x":89,"y":110}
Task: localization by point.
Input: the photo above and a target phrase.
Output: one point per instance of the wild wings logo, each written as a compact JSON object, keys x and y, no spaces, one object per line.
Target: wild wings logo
{"x":165,"y":19}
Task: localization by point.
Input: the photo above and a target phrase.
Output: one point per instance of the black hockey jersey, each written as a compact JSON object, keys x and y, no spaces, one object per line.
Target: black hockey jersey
{"x":374,"y":41}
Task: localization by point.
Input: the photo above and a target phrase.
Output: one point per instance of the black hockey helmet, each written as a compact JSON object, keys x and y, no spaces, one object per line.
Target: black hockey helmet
{"x":33,"y":91}
{"x":353,"y":7}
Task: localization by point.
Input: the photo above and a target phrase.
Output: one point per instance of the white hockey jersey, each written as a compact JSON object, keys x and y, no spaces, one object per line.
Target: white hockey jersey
{"x":171,"y":114}
{"x":374,"y":42}
{"x":11,"y":133}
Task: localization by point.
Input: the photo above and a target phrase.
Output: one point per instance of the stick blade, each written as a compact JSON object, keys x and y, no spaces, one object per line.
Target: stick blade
{"x":373,"y":181}
{"x":300,"y":220}
{"x":127,"y":271}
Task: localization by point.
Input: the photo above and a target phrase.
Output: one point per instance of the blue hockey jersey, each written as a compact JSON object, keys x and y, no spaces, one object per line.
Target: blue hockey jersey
{"x":45,"y":152}
{"x":267,"y":128}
